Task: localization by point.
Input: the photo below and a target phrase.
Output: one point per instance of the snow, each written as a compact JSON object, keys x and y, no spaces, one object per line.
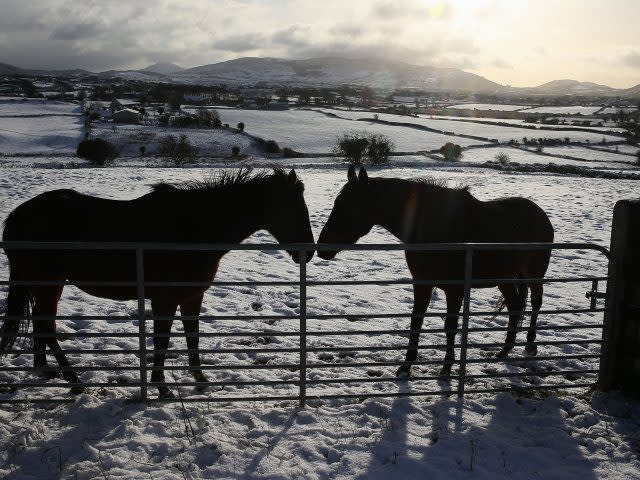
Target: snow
{"x":497,"y":132}
{"x":486,"y":436}
{"x":489,"y":106}
{"x":33,"y":108}
{"x":584,"y":110}
{"x":209,"y":142}
{"x":32,"y":135}
{"x":312,"y":132}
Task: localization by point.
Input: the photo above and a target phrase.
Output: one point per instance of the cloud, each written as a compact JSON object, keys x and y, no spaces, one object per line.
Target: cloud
{"x":631,"y":59}
{"x":240,"y":43}
{"x":294,"y":36}
{"x":77,"y":31}
{"x":499,"y":63}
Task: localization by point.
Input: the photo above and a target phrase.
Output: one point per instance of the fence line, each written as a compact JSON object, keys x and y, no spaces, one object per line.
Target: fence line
{"x":137,"y":251}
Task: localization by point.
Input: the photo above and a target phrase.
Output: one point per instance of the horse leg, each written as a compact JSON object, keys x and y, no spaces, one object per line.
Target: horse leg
{"x":161,"y":344}
{"x":536,"y":302}
{"x":191,"y":327}
{"x":46,"y":303}
{"x":421,"y":298}
{"x":454,"y":302}
{"x":514,"y":302}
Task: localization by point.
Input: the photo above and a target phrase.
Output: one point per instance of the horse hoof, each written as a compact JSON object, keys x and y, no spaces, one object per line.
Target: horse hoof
{"x":77,"y":389}
{"x":403,"y":372}
{"x":504,"y":353}
{"x":531,"y":349}
{"x":46,"y":374}
{"x":164,"y":392}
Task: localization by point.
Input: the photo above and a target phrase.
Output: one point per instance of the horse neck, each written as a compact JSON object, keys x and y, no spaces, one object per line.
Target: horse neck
{"x":228,"y":215}
{"x":393,"y":206}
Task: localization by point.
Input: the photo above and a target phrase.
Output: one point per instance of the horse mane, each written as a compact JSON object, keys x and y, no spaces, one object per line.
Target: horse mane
{"x":226,"y":179}
{"x":441,"y":183}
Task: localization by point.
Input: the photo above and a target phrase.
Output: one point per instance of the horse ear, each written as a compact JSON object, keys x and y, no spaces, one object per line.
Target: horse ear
{"x":362,"y":176}
{"x":351,"y":174}
{"x":292,"y":176}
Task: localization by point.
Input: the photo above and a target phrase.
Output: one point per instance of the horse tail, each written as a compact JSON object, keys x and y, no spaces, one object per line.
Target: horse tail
{"x":498,"y":307}
{"x":523,"y":291}
{"x":19,"y":305}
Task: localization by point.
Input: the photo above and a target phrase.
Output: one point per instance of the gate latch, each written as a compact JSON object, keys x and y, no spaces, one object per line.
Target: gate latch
{"x":594,"y":294}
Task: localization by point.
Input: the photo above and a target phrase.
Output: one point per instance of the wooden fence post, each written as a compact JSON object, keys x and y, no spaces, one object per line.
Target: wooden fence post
{"x":620,"y":363}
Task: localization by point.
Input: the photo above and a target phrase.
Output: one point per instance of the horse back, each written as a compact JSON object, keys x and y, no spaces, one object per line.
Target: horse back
{"x":507,"y":220}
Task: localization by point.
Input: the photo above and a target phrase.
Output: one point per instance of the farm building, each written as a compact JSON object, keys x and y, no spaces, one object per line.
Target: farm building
{"x":120,"y":103}
{"x":126,"y":115}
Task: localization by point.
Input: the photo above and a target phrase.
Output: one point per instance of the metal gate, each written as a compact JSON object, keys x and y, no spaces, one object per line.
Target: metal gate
{"x":24,"y":389}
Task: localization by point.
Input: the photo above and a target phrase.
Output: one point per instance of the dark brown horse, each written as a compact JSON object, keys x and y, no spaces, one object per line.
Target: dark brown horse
{"x":226,"y":209}
{"x":425,"y":212}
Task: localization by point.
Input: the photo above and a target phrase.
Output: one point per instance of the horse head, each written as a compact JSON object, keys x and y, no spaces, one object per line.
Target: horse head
{"x":350,"y":218}
{"x":288,"y":217}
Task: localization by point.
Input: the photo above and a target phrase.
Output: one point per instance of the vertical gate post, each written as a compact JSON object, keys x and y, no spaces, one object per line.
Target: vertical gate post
{"x":468,"y":272}
{"x":142,"y":331}
{"x":620,"y":362}
{"x":303,"y":327}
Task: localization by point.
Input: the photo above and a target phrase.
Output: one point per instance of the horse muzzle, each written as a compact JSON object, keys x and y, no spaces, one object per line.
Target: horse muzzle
{"x":295,"y":255}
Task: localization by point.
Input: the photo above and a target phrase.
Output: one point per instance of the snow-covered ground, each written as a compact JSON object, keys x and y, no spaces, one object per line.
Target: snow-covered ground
{"x":40,"y":135}
{"x":209,"y":142}
{"x":313,"y":132}
{"x":583,"y":110}
{"x":488,"y":106}
{"x":486,"y":436}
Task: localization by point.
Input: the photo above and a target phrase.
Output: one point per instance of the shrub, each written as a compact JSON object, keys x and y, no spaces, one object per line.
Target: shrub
{"x":94,"y":116}
{"x":502,"y":158}
{"x":97,"y":151}
{"x":235,"y":150}
{"x":180,"y":150}
{"x":143,"y":150}
{"x":379,"y":149}
{"x":163,"y":119}
{"x":289,"y":153}
{"x":183,"y":121}
{"x":451,"y":151}
{"x":268,"y":146}
{"x":352,"y":147}
{"x":208,"y":118}
{"x":241,"y":126}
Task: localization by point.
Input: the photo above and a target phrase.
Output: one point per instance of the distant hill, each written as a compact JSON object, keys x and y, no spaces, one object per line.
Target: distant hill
{"x":6,"y":69}
{"x":163,"y":68}
{"x":571,"y":87}
{"x":335,"y":71}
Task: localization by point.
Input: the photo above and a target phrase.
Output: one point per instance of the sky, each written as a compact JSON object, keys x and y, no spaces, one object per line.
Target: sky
{"x":514,"y":42}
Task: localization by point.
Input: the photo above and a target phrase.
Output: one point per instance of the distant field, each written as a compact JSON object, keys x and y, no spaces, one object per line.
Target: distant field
{"x":313,"y":132}
{"x":59,"y":134}
{"x":37,"y":107}
{"x":489,"y":106}
{"x":583,"y":110}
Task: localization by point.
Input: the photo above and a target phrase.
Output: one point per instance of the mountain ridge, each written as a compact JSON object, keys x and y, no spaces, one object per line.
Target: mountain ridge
{"x":384,"y":75}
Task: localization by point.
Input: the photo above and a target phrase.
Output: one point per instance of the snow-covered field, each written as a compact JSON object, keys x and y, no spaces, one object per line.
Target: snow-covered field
{"x":485,"y":436}
{"x":38,"y":107}
{"x":488,"y":106}
{"x":313,"y":132}
{"x":583,"y":110}
{"x":40,"y":135}
{"x":212,"y":143}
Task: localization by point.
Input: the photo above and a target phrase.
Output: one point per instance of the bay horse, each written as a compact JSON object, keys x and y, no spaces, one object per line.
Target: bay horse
{"x":224,"y":209}
{"x":422,"y":211}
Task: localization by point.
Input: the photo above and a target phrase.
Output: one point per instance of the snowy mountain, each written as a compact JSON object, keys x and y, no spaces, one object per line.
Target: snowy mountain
{"x":163,"y":68}
{"x":572,"y":87}
{"x":334,"y":71}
